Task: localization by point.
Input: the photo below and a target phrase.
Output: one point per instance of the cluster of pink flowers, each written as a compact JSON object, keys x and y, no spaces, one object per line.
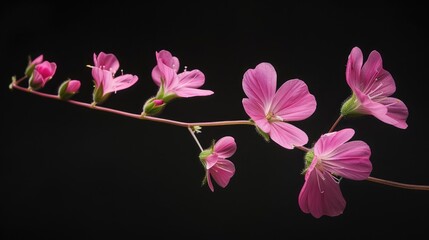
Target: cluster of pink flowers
{"x":271,"y":110}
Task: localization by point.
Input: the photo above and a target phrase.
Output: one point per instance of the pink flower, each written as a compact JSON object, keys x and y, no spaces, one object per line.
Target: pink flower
{"x":216,"y":163}
{"x":43,"y":72}
{"x":104,"y":77}
{"x":271,"y":110}
{"x":331,"y":159}
{"x":172,"y":84}
{"x":106,"y":61}
{"x":372,"y":87}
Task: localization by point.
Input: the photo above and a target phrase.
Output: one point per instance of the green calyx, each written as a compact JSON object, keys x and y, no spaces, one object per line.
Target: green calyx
{"x":153,"y":107}
{"x":308,"y":159}
{"x":62,"y":91}
{"x":98,"y":95}
{"x":260,"y":132}
{"x":350,"y":106}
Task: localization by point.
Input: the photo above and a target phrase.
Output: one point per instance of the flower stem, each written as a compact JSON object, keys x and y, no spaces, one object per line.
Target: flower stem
{"x":305,"y":149}
{"x":399,"y":185}
{"x":132,"y":115}
{"x":195,"y":138}
{"x":335,"y":123}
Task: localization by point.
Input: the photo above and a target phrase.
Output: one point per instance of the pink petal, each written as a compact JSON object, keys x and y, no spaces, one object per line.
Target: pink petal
{"x":287,"y":135}
{"x":211,"y":160}
{"x":191,"y":79}
{"x":38,"y":60}
{"x":321,"y":195}
{"x":192,"y":92}
{"x":101,"y":76}
{"x":330,"y":141}
{"x":350,"y":160}
{"x":156,"y":75}
{"x":119,"y":83}
{"x":259,"y":84}
{"x":222,"y":172}
{"x":73,"y":86}
{"x":225,"y":147}
{"x":257,"y":114}
{"x":293,"y":101}
{"x":370,"y":107}
{"x":384,"y":86}
{"x":397,"y":112}
{"x":371,"y":68}
{"x":168,"y":59}
{"x":353,"y":68}
{"x":107,"y":62}
{"x":209,"y":180}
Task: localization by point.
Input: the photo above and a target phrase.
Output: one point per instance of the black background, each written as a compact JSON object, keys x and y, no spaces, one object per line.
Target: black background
{"x":72,"y":172}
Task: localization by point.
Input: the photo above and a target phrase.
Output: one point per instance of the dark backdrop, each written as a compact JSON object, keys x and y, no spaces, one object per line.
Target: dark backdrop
{"x":71,"y":172}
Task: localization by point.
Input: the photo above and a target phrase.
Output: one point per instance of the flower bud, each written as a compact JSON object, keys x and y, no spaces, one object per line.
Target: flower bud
{"x":68,"y":89}
{"x":153,"y":106}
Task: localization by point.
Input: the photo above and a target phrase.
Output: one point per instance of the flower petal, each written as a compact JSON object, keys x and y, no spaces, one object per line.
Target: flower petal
{"x":191,"y":79}
{"x":330,"y":141}
{"x":293,"y":101}
{"x":107,"y":62}
{"x":350,"y":160}
{"x":119,"y":83}
{"x":396,"y":110}
{"x":353,"y":68}
{"x":259,"y":84}
{"x":101,"y":76}
{"x":321,"y":195}
{"x":256,"y":113}
{"x":209,"y":180}
{"x":225,"y":147}
{"x":287,"y":135}
{"x":211,"y":160}
{"x":222,"y":172}
{"x":192,"y":92}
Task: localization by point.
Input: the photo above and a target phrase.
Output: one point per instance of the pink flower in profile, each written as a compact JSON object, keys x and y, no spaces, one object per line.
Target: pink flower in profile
{"x":216,"y":163}
{"x":105,"y":81}
{"x":372,"y":87}
{"x":331,"y":159}
{"x":271,"y":110}
{"x":43,"y":72}
{"x":173,"y":84}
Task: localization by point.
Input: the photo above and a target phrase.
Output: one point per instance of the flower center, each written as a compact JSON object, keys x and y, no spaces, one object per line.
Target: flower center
{"x":271,"y":117}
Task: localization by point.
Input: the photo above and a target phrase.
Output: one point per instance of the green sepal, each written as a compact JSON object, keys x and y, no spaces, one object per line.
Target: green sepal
{"x":98,"y":96}
{"x":62,"y":91}
{"x":151,"y":109}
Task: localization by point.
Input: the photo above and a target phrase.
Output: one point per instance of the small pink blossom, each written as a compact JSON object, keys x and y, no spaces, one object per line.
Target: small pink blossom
{"x":271,"y":110}
{"x":173,"y":84}
{"x":104,"y":77}
{"x":216,"y":163}
{"x":331,"y":159}
{"x":372,"y":87}
{"x":43,"y":72}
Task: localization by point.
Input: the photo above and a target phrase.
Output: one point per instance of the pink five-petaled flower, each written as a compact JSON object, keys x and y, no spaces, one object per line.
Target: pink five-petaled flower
{"x":214,"y":160}
{"x":42,"y":73}
{"x":172,"y":84}
{"x":331,"y":159}
{"x":105,"y":81}
{"x":271,"y":110}
{"x":372,"y":87}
